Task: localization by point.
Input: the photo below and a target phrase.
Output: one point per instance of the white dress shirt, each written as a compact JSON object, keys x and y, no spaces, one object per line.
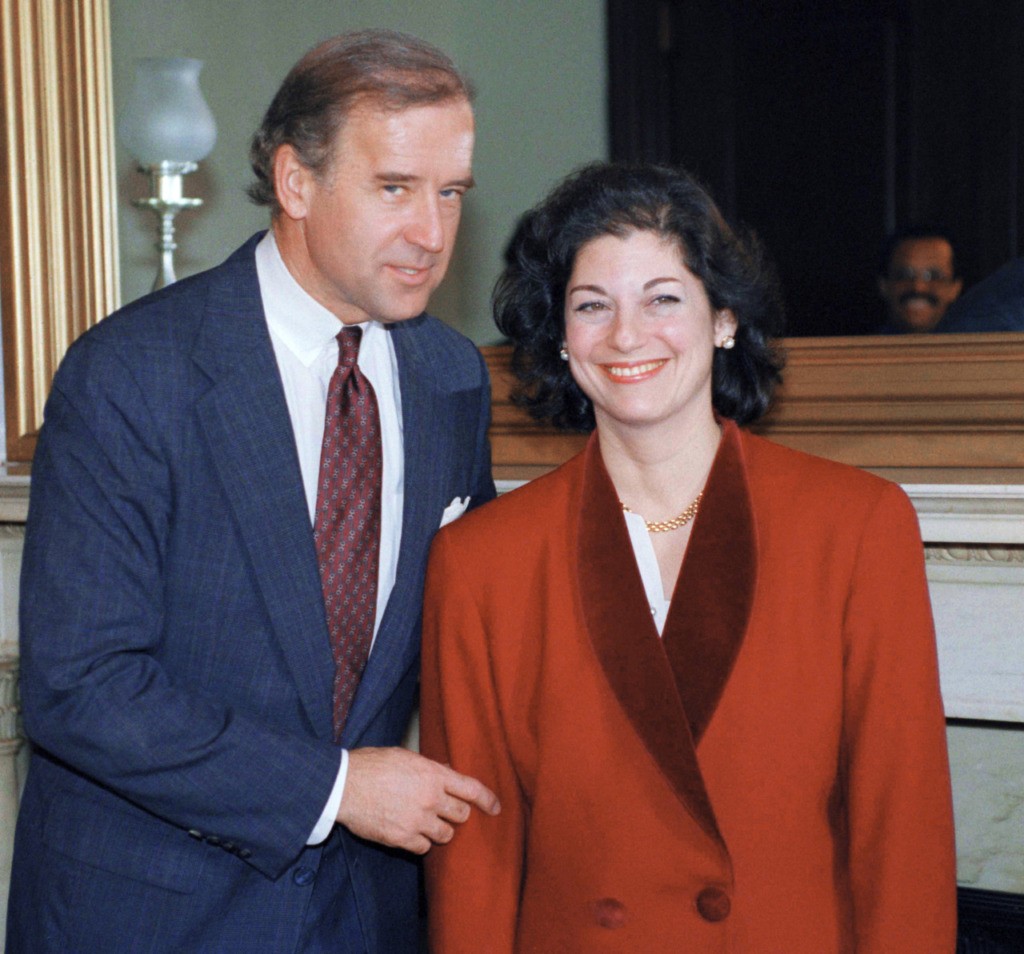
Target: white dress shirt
{"x":647,"y":564}
{"x":304,"y":336}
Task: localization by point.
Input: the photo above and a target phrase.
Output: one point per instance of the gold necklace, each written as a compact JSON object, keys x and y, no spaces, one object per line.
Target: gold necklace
{"x":663,"y":526}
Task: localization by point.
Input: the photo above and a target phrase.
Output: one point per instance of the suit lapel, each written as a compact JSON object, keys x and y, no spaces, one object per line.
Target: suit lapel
{"x":626,"y":641}
{"x":714,"y":594}
{"x":245,"y":419}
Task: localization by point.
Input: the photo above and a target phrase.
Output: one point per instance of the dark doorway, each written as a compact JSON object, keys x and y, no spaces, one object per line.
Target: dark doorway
{"x":824,"y":124}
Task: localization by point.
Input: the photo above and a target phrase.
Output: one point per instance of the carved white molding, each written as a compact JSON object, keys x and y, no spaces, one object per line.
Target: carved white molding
{"x":10,"y":776}
{"x":13,"y":499}
{"x":974,"y":552}
{"x":12,"y":538}
{"x":1003,"y":556}
{"x":10,"y":727}
{"x":969,"y":513}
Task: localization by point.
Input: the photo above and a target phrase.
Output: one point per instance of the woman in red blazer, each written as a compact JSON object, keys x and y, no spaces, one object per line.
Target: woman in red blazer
{"x":698,"y":668}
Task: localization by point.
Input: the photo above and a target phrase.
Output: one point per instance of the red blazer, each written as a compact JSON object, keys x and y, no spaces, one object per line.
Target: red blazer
{"x":771,"y":776}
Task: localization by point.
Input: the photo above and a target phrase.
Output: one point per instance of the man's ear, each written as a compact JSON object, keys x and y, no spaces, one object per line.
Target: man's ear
{"x":291,"y":182}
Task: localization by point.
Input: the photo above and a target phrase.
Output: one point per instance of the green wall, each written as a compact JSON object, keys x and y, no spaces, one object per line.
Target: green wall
{"x":539,"y":69}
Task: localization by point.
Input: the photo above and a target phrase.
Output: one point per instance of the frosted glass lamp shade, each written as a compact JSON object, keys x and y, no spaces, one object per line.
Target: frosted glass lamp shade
{"x":166,"y":118}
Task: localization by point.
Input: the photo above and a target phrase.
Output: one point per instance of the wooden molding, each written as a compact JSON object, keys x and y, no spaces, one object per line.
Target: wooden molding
{"x":924,"y":408}
{"x":520,"y":447}
{"x":58,"y":231}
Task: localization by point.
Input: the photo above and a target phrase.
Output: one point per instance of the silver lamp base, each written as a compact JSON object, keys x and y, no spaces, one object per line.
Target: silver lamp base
{"x":167,"y":201}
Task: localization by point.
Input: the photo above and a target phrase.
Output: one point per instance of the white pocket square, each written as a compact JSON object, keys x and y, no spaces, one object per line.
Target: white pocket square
{"x":454,"y":510}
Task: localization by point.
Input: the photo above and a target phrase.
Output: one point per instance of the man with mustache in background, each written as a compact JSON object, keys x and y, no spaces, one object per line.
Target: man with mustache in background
{"x":918,"y":279}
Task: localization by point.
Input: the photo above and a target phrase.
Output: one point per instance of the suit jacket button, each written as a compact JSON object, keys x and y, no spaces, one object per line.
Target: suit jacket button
{"x":303,"y":876}
{"x":713,"y":904}
{"x":608,"y":912}
{"x":195,"y":833}
{"x":244,"y":853}
{"x":212,"y":840}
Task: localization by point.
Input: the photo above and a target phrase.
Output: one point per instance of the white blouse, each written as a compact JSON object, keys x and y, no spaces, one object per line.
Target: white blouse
{"x":647,"y":563}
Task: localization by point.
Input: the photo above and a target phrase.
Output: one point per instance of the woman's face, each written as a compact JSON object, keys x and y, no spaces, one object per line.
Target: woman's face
{"x":641,"y":332}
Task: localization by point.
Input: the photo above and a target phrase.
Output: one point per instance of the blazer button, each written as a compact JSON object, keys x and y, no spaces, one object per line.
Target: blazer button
{"x":609,"y":912}
{"x":713,"y":904}
{"x":244,"y":853}
{"x":303,"y":876}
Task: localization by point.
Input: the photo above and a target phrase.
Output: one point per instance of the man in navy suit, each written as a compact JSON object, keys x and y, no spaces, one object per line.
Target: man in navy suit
{"x":187,"y":791}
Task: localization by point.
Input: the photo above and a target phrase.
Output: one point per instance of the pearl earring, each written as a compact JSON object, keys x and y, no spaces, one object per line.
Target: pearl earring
{"x":563,"y":354}
{"x":727,"y":342}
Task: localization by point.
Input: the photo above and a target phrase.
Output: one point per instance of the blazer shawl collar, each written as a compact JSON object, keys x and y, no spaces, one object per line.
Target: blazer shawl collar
{"x":245,"y":419}
{"x":397,"y":643}
{"x":669,"y":687}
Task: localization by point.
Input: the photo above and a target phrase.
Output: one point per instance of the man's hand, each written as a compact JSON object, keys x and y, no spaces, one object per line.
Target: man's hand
{"x":401,"y":799}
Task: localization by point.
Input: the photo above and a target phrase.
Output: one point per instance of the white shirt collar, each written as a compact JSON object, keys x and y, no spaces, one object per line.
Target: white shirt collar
{"x":304,"y":325}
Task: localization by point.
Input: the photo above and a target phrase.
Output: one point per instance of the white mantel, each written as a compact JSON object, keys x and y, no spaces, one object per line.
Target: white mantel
{"x":974,"y":547}
{"x":13,"y":498}
{"x":969,"y":513}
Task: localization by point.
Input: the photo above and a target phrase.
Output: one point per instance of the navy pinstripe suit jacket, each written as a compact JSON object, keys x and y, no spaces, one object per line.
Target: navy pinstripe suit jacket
{"x":176,"y":669}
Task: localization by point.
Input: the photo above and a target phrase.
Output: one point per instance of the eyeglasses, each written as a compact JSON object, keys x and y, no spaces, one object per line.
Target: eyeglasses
{"x":930,"y":276}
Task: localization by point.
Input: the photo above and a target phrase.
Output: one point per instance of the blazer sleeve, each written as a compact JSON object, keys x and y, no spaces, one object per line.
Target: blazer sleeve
{"x":95,"y":692}
{"x":473,"y":881}
{"x":899,"y":808}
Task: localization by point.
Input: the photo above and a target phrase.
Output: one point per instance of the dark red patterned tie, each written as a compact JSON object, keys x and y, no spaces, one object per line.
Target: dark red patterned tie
{"x":347,"y":526}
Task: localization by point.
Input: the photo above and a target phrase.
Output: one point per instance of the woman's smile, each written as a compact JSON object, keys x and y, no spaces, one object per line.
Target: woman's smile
{"x":633,"y":372}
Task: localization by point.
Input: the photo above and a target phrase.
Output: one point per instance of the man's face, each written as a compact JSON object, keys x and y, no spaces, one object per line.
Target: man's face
{"x":920,"y":285}
{"x":372,"y":237}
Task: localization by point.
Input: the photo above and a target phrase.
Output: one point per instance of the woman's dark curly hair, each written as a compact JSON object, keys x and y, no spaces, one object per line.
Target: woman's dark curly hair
{"x":616,"y":199}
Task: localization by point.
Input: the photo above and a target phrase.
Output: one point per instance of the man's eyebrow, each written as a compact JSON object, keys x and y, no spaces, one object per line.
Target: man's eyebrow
{"x":403,"y":178}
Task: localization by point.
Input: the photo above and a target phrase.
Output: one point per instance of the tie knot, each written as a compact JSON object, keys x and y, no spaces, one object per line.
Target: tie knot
{"x":348,"y":346}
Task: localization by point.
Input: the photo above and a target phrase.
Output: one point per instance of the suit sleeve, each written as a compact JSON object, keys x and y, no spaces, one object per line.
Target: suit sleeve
{"x":95,"y":693}
{"x":473,"y":882}
{"x":899,"y":809}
